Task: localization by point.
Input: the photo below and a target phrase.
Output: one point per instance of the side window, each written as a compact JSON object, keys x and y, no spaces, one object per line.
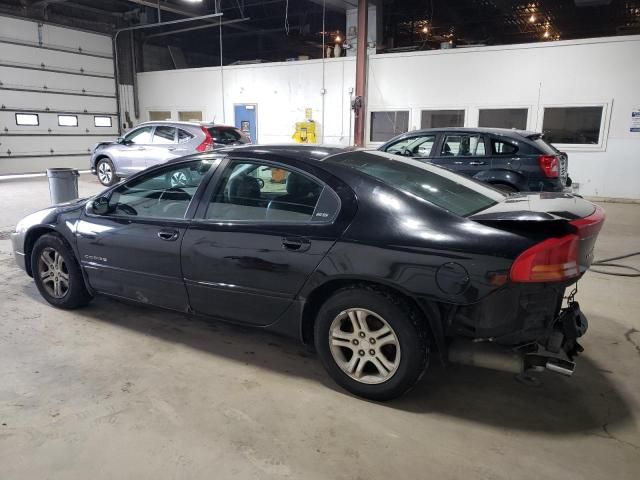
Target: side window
{"x":414,"y":146}
{"x":164,"y":135}
{"x":164,"y":193}
{"x":499,"y":147}
{"x":184,"y":137}
{"x":140,"y":136}
{"x":463,"y":146}
{"x":258,"y":192}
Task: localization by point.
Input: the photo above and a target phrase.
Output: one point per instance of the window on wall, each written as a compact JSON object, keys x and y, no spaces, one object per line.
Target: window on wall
{"x":503,"y":118}
{"x":573,"y":125}
{"x":102,"y":121}
{"x":442,"y":118}
{"x":67,"y":120}
{"x":190,"y":116}
{"x":156,"y":116}
{"x":27,"y":119}
{"x":386,"y":125}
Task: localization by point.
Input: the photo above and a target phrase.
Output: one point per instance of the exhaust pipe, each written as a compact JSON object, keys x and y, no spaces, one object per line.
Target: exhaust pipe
{"x":494,"y":357}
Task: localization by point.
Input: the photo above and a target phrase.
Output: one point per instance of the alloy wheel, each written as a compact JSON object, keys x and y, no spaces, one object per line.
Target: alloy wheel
{"x":364,"y":346}
{"x":178,"y":179}
{"x":105,"y":174}
{"x":53,"y":272}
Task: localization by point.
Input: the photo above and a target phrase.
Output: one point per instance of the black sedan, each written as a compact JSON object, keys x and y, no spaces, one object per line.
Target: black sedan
{"x":379,"y":261}
{"x":509,"y":159}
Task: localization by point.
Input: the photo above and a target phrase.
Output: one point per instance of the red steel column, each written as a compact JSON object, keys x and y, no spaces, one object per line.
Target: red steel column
{"x":361,"y":73}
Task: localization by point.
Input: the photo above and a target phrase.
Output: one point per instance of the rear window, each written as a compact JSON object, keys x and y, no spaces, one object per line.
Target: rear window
{"x":543,"y":146}
{"x":227,"y":136}
{"x":445,"y":189}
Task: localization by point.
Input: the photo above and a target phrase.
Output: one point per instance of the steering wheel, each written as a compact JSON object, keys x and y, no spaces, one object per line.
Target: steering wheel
{"x":127,"y":209}
{"x":260,"y":182}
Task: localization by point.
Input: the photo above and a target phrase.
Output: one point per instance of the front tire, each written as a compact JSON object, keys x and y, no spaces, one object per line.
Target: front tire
{"x":106,"y":172}
{"x":371,"y":342}
{"x":57,"y":273}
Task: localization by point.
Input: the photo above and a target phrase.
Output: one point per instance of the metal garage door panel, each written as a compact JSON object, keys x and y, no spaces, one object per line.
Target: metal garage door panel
{"x":42,"y":101}
{"x":49,"y":121}
{"x":43,"y":144}
{"x":75,"y":39}
{"x":51,"y":58}
{"x":14,"y":77}
{"x":9,"y":166}
{"x":15,"y":29}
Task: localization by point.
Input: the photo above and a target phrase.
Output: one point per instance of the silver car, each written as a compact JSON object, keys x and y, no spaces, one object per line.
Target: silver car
{"x":151,"y":143}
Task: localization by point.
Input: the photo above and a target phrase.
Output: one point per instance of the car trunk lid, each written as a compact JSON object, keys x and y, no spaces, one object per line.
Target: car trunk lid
{"x":543,"y":216}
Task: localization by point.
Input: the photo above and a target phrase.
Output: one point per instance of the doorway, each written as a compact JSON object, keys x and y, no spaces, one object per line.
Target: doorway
{"x":246,"y":116}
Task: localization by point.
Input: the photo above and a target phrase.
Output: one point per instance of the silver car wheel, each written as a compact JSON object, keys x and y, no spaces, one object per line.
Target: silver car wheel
{"x":178,"y":179}
{"x":105,"y":174}
{"x":53,"y":272}
{"x":364,"y":346}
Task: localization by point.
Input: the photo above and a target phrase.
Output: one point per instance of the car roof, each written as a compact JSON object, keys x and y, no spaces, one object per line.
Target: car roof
{"x":495,"y":131}
{"x":187,"y":124}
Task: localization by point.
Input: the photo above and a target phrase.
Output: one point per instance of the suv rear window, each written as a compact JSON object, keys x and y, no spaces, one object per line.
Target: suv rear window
{"x":445,"y":189}
{"x":227,"y":136}
{"x":542,"y":145}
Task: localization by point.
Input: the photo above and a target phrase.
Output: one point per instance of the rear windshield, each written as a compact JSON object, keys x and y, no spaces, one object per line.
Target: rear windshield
{"x":227,"y":136}
{"x":543,"y":146}
{"x":447,"y":190}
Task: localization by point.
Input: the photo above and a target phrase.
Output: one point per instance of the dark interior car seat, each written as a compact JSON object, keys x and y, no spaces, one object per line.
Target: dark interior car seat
{"x":302,"y":195}
{"x":244,"y":190}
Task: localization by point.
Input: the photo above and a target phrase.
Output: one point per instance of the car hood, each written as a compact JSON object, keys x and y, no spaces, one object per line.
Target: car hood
{"x":105,"y":144}
{"x":47,"y":215}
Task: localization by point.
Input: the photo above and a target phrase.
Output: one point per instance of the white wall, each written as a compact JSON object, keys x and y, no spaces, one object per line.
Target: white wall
{"x":593,"y":71}
{"x":281,"y":91}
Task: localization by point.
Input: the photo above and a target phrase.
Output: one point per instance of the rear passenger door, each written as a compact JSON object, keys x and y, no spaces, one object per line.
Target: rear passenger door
{"x":464,"y":153}
{"x":163,"y":144}
{"x":260,"y":230}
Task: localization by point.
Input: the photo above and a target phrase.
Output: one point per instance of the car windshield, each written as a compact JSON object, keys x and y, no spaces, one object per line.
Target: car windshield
{"x":227,"y":136}
{"x":447,"y":190}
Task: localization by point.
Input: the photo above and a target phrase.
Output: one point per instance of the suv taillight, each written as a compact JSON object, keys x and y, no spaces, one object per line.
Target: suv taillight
{"x":552,"y":260}
{"x":549,"y":165}
{"x":207,"y":144}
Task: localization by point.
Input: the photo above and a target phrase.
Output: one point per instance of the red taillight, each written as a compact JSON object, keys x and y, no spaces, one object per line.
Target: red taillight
{"x":207,"y":144}
{"x":552,"y":260}
{"x":549,"y":165}
{"x":591,"y":225}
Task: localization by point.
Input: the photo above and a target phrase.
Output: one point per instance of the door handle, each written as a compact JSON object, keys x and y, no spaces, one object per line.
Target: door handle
{"x":457,"y":163}
{"x":141,"y":148}
{"x":296,"y":244}
{"x":477,"y":163}
{"x":171,"y":149}
{"x":168,"y":235}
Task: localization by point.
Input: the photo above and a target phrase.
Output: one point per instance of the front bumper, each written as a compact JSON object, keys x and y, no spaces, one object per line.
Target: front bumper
{"x":17,"y":245}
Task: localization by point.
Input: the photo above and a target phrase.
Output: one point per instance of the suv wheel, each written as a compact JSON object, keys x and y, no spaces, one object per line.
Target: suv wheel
{"x":106,"y":172}
{"x":371,"y":342}
{"x":57,"y":273}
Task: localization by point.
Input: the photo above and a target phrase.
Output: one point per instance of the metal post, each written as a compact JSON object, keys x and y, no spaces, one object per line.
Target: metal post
{"x":361,"y":74}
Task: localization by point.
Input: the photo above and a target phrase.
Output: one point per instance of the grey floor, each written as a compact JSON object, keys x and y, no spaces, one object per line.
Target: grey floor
{"x":117,"y":391}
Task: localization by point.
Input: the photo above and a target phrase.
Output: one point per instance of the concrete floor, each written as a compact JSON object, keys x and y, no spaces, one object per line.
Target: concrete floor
{"x":125,"y":392}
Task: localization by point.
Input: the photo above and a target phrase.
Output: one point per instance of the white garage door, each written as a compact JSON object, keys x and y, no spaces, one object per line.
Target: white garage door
{"x":57,"y":96}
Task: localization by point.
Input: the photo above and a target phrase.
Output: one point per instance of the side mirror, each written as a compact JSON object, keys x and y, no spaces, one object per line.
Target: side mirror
{"x":120,"y":140}
{"x":100,"y":206}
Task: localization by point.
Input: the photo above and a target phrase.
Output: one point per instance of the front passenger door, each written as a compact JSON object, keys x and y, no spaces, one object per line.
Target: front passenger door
{"x":262,"y":231}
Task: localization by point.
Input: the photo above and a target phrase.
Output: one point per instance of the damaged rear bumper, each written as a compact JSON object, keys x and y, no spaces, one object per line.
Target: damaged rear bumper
{"x":555,"y":353}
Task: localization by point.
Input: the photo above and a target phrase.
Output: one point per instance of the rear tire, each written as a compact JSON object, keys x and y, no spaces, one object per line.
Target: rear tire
{"x":57,"y":273}
{"x":106,"y":172}
{"x":371,"y":342}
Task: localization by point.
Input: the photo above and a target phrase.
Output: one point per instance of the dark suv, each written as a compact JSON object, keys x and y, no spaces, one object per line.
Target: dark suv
{"x":511,"y":160}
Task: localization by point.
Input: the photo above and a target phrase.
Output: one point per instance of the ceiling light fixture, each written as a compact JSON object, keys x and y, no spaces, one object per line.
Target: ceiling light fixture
{"x":532,"y":18}
{"x":338,"y":38}
{"x":425,"y":29}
